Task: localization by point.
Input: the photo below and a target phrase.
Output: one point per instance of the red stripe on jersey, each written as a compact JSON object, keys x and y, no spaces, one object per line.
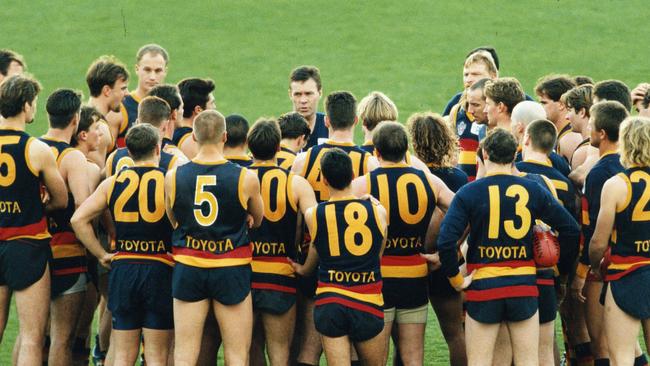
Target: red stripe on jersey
{"x":271,"y":259}
{"x":35,"y":229}
{"x":512,"y":264}
{"x":273,"y":287}
{"x":245,"y":251}
{"x":371,"y":288}
{"x":63,"y":238}
{"x":68,"y":271}
{"x":402,"y":260}
{"x":350,"y":304}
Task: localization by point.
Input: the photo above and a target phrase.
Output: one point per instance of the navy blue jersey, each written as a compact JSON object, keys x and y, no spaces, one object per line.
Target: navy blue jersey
{"x":68,"y":254}
{"x":348,"y":238}
{"x":320,"y":131}
{"x":631,"y":249}
{"x":120,"y":159}
{"x":453,"y":178}
{"x":167,"y":142}
{"x":409,"y":199}
{"x":136,"y":201}
{"x":22,"y":214}
{"x":209,"y":204}
{"x":243,"y":160}
{"x":501,"y":211}
{"x":311,"y":169}
{"x":369,"y":147}
{"x":557,"y":161}
{"x":285,"y":157}
{"x":275,"y":240}
{"x":129,"y":111}
{"x":565,"y":191}
{"x":180,"y":134}
{"x":608,"y":166}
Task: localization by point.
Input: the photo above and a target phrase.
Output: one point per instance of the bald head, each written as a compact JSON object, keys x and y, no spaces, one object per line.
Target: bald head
{"x":209,"y":127}
{"x":527,"y":111}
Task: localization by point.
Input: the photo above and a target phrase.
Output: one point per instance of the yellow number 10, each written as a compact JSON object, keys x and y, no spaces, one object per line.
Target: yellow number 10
{"x":520,"y":210}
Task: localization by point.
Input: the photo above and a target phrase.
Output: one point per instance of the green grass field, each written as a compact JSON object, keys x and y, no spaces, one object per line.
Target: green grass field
{"x":411,"y":50}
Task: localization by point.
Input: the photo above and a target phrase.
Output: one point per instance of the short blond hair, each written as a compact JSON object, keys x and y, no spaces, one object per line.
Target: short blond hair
{"x":374,"y":108}
{"x":634,"y":144}
{"x":209,"y":126}
{"x":482,"y":57}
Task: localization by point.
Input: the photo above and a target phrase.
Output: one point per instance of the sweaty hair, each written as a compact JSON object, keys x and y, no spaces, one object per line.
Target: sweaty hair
{"x":608,"y":116}
{"x":340,"y":107}
{"x":553,"y":86}
{"x":304,"y":73}
{"x":336,"y":167}
{"x":433,"y":141}
{"x":293,"y":125}
{"x":195,"y":92}
{"x":582,"y":80}
{"x":489,"y":50}
{"x":237,"y":129}
{"x":87,"y":117}
{"x":7,"y":57}
{"x":15,"y":91}
{"x":479,"y":84}
{"x":264,"y":139}
{"x":505,"y":90}
{"x":579,"y":98}
{"x":374,"y":108}
{"x":501,"y":146}
{"x":62,"y":105}
{"x":106,"y":70}
{"x":543,"y":135}
{"x":141,"y":141}
{"x":169,"y":93}
{"x":482,"y":57}
{"x":209,"y":126}
{"x":153,"y":49}
{"x":613,"y":90}
{"x":635,"y":142}
{"x":153,"y":110}
{"x":527,"y":112}
{"x":391,"y":141}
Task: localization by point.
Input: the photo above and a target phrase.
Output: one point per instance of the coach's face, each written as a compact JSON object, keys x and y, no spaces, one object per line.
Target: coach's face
{"x":474,"y":72}
{"x":476,"y":106}
{"x":305,"y":96}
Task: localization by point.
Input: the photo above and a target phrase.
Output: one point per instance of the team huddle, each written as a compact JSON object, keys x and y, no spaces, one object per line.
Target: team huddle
{"x":187,"y":230}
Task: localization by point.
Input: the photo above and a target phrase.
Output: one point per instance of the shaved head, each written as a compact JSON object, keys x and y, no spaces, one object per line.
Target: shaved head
{"x":209,"y":126}
{"x":527,"y":112}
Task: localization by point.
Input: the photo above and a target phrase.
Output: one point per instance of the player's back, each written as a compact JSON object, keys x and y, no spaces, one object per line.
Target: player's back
{"x":120,"y":159}
{"x":209,"y":204}
{"x":129,"y":111}
{"x":285,"y":157}
{"x":565,"y":191}
{"x":136,"y":203}
{"x":181,"y":134}
{"x":22,"y":214}
{"x":453,"y":177}
{"x":311,"y":170}
{"x":241,"y":160}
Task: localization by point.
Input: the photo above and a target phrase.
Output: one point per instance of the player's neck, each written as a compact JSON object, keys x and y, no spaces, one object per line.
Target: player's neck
{"x":504,"y":122}
{"x":387,"y":164}
{"x":187,"y":122}
{"x":146,"y":162}
{"x":13,"y":123}
{"x":210,"y":152}
{"x":606,"y":146}
{"x":338,"y":194}
{"x":367,"y":136}
{"x":64,"y":135}
{"x":99,"y":105}
{"x":534,"y":155}
{"x":83,"y":148}
{"x":311,"y":121}
{"x":290,"y":144}
{"x":273,"y":161}
{"x":561,"y":123}
{"x":140,"y":93}
{"x":494,"y":168}
{"x":234,"y":151}
{"x":342,"y":135}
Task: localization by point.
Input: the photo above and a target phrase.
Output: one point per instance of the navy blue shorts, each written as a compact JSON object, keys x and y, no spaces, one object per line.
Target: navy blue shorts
{"x":272,"y":302}
{"x":336,"y":320}
{"x":405,"y":293}
{"x":439,"y":285}
{"x":512,"y":309}
{"x":23,"y":262}
{"x":632,"y":293}
{"x":140,"y":296}
{"x":227,"y":285}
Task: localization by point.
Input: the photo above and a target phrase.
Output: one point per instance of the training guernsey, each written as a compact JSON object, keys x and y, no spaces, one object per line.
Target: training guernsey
{"x":630,"y":250}
{"x":274,"y":242}
{"x":208,"y":202}
{"x":120,"y":159}
{"x":607,"y":166}
{"x":319,"y":132}
{"x":181,"y":134}
{"x":136,"y":201}
{"x":129,"y":112}
{"x":501,"y":210}
{"x":243,"y":160}
{"x":409,"y":199}
{"x":311,"y":170}
{"x":22,"y":215}
{"x":68,"y":254}
{"x":453,"y":177}
{"x":285,"y":157}
{"x":348,"y":236}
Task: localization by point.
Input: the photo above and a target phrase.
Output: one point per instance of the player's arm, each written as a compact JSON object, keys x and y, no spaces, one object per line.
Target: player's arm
{"x":569,"y":143}
{"x":83,"y":217}
{"x":170,"y":192}
{"x":299,"y":163}
{"x":181,"y":159}
{"x":254,"y":198}
{"x":73,"y":164}
{"x":43,"y":162}
{"x":383,"y":221}
{"x":579,"y":175}
{"x":115,"y":121}
{"x":613,"y":196}
{"x":189,"y":147}
{"x":360,"y":186}
{"x":451,"y":230}
{"x":444,"y":195}
{"x":106,"y":142}
{"x":578,"y":157}
{"x":312,"y":255}
{"x":303,"y":193}
{"x":372,"y":164}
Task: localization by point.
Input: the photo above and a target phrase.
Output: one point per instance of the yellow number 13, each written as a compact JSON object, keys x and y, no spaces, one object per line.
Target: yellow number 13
{"x":520,"y":210}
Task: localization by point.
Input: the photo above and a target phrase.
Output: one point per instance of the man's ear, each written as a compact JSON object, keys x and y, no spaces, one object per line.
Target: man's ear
{"x":582,"y":113}
{"x":327,"y":122}
{"x":106,"y":90}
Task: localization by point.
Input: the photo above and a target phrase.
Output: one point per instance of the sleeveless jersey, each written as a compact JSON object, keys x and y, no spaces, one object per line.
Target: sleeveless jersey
{"x":557,"y":161}
{"x":409,"y":199}
{"x":167,"y":142}
{"x":631,"y":249}
{"x":242,"y":160}
{"x":348,"y":236}
{"x":180,"y":134}
{"x":320,"y":131}
{"x":285,"y":157}
{"x":564,"y":187}
{"x":311,"y":170}
{"x":368,"y":146}
{"x":563,"y":132}
{"x":120,"y":159}
{"x":22,"y":214}
{"x":275,"y":240}
{"x":501,"y":210}
{"x":68,"y":254}
{"x":453,"y":178}
{"x":136,"y":201}
{"x":129,"y":111}
{"x":208,"y":203}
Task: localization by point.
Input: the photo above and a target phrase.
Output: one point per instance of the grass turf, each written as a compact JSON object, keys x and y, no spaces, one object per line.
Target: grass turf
{"x":411,"y":50}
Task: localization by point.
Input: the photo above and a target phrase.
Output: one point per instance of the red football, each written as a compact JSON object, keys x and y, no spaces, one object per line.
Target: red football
{"x":546,"y":248}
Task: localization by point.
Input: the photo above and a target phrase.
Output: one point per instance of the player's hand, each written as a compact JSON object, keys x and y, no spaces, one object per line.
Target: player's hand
{"x":45,"y":195}
{"x":433,"y":261}
{"x":106,"y":259}
{"x":576,"y":288}
{"x":250,"y":221}
{"x":637,"y":95}
{"x":298,"y":268}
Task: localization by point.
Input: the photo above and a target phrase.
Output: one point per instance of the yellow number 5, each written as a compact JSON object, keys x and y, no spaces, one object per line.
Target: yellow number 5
{"x":201,"y":196}
{"x":7,"y":160}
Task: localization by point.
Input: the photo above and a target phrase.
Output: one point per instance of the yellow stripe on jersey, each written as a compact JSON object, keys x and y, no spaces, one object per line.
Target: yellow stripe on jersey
{"x":68,"y":250}
{"x":27,"y":161}
{"x":283,"y":269}
{"x":628,"y":197}
{"x":210,"y":263}
{"x":291,"y":197}
{"x":240,"y":188}
{"x":467,"y":157}
{"x":376,"y":299}
{"x":125,"y":118}
{"x":416,"y":271}
{"x":491,"y":272}
{"x":172,"y":189}
{"x":141,"y":257}
{"x":561,"y":185}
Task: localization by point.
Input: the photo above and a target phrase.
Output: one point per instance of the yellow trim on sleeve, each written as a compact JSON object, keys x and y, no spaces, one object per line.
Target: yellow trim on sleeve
{"x":240,"y":188}
{"x":290,"y":195}
{"x":628,"y":196}
{"x":457,"y":281}
{"x":27,"y":161}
